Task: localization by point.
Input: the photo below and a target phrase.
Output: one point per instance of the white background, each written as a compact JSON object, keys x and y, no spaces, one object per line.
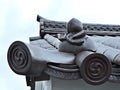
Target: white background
{"x":18,"y":22}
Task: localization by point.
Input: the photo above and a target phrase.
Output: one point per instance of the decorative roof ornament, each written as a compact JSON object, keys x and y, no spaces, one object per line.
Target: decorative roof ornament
{"x":68,"y":51}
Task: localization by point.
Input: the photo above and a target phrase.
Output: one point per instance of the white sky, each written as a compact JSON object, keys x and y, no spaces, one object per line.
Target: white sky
{"x":18,"y":22}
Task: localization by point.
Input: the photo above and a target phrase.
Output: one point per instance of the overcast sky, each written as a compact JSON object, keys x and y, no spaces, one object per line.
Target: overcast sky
{"x":18,"y":22}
